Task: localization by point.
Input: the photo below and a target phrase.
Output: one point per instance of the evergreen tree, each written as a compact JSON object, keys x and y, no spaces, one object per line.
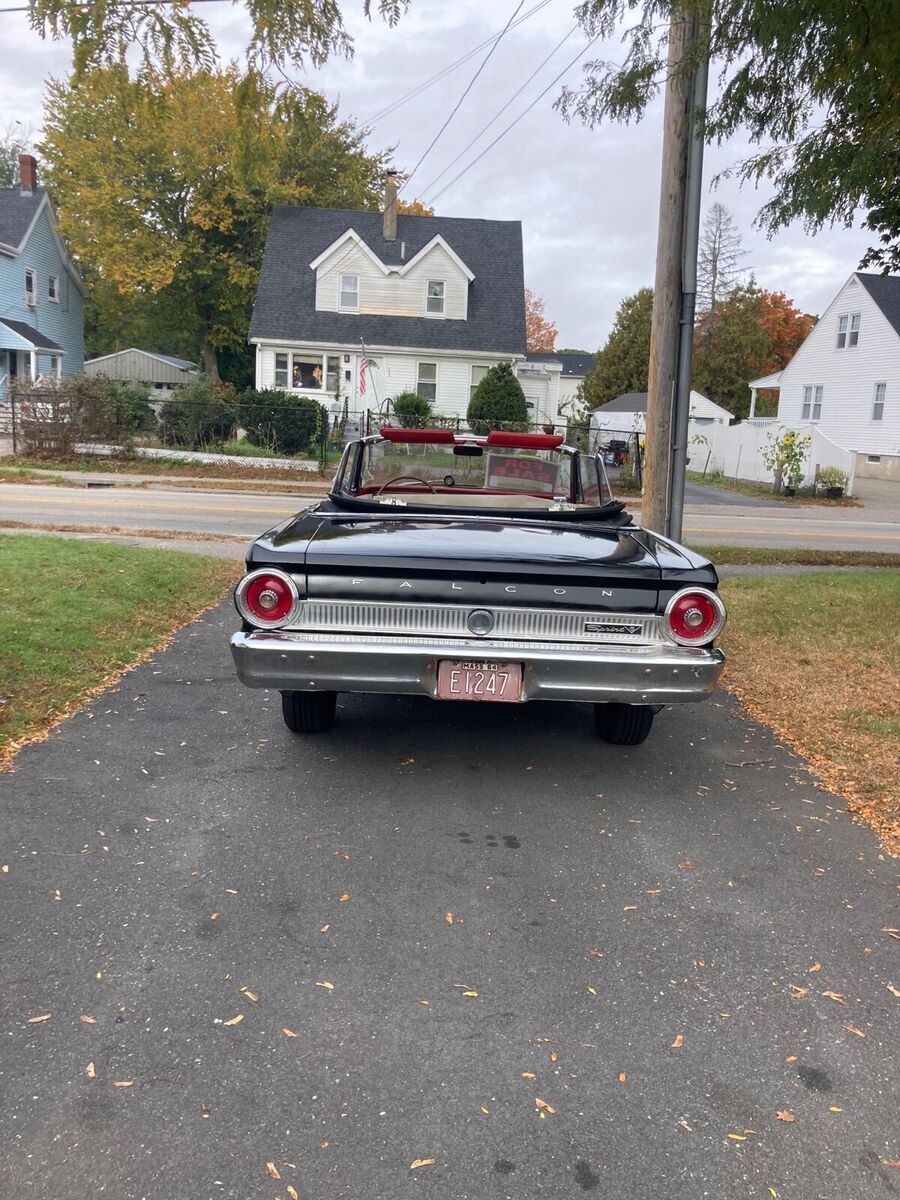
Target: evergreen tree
{"x":498,"y":402}
{"x":719,"y":258}
{"x":623,"y":363}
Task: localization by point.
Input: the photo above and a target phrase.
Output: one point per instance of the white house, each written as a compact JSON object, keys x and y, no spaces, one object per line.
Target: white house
{"x":628,"y":414}
{"x":551,"y":383}
{"x":355,"y":307}
{"x":845,"y":378}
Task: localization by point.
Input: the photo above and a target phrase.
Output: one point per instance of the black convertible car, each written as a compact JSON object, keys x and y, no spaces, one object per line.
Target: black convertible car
{"x":494,"y":568}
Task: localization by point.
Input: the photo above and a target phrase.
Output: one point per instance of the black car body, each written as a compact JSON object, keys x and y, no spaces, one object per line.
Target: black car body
{"x":488,"y":568}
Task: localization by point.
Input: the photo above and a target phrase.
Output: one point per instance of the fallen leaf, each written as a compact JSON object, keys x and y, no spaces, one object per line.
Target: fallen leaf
{"x":37,"y":1020}
{"x":425,"y":1002}
{"x":815,"y":967}
{"x":798,"y":992}
{"x":250,"y":995}
{"x":323,"y":983}
{"x":90,"y":1071}
{"x":5,"y":868}
{"x":527,"y":1075}
{"x":214,"y":916}
{"x":738,"y":1137}
{"x":684,"y":1125}
{"x":553,"y":1056}
{"x":470,"y":993}
{"x":272,"y":1171}
{"x":485,"y":1111}
{"x":288,"y":1032}
{"x":292,"y":1192}
{"x":791,"y":1058}
{"x":772,"y":1192}
{"x":679,"y":1042}
{"x":87,"y":1020}
{"x":834,"y":1108}
{"x":595,"y":954}
{"x":894,"y":991}
{"x":344,"y":897}
{"x":853,"y":1029}
{"x":448,"y":917}
{"x":235,"y":1020}
{"x":123,"y":1083}
{"x":784,"y":1115}
{"x":890,"y":1162}
{"x":57,"y":895}
{"x":629,"y":908}
{"x":421,"y":1162}
{"x":539,"y":1103}
{"x":231,"y":891}
{"x":622,"y":1077}
{"x":324,"y":929}
{"x":835,"y":996}
{"x":687,"y":865}
{"x":593,"y":991}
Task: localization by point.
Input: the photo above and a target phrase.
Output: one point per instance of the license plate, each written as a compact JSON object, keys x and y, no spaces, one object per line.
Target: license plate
{"x":479,"y":681}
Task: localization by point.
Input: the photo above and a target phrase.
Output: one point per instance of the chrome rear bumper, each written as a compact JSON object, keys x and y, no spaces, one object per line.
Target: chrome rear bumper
{"x":647,"y":674}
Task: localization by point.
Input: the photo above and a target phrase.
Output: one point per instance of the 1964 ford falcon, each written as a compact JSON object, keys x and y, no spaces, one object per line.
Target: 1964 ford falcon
{"x":495,"y":568}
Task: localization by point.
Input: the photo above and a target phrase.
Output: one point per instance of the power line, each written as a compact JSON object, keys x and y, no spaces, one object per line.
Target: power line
{"x":468,"y":89}
{"x":501,"y":111}
{"x":421,"y":87}
{"x":514,"y":122}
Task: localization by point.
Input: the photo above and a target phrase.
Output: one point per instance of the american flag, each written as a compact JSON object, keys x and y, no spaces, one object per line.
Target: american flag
{"x":364,"y":364}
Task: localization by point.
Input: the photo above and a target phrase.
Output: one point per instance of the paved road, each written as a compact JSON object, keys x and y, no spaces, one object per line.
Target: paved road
{"x":173,"y":844}
{"x":246,"y":515}
{"x":701,"y":494}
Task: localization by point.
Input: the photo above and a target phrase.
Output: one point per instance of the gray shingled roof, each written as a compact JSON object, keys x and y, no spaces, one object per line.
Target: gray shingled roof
{"x":576,"y":365}
{"x":628,"y":402}
{"x":285,"y":300}
{"x":16,"y":214}
{"x":40,"y":341}
{"x":885,"y":291}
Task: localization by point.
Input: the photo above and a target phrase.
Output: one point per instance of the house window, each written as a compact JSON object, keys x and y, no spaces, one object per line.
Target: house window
{"x":812,"y":403}
{"x":873,"y":458}
{"x":306,"y":372}
{"x":434,"y":298}
{"x":281,"y":370}
{"x":426,"y":380}
{"x":878,"y":406}
{"x":53,"y":287}
{"x":332,"y":368}
{"x":478,"y":373}
{"x":848,"y":331}
{"x":295,"y":371}
{"x":349,"y":295}
{"x":30,"y":286}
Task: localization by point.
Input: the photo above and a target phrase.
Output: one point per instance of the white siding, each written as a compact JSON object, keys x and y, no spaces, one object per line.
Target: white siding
{"x":393,"y":294}
{"x":848,"y":376}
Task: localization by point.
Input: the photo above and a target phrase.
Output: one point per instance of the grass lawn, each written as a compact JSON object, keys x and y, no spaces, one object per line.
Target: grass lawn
{"x":817,"y":658}
{"x":794,"y":556}
{"x":73,"y":614}
{"x":170,"y":468}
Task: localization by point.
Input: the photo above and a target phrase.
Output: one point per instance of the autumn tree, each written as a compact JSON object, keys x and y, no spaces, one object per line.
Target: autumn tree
{"x":540,"y":334}
{"x":14,"y":140}
{"x":813,"y":87}
{"x":623,"y":363}
{"x":414,"y":208}
{"x":719,"y":258}
{"x":166,"y":183}
{"x":757,"y":333}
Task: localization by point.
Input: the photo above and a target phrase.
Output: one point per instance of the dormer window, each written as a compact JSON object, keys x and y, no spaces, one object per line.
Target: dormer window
{"x":434,"y":298}
{"x":848,"y":331}
{"x":349,"y":297}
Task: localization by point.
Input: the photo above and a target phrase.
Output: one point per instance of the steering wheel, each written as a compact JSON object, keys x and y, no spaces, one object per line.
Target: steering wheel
{"x":400,"y":478}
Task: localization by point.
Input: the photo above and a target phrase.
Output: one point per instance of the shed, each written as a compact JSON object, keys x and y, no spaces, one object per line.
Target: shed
{"x":160,"y":372}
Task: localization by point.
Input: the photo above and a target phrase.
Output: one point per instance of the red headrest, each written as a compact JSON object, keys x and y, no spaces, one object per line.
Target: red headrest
{"x":395,"y":434}
{"x":525,"y":441}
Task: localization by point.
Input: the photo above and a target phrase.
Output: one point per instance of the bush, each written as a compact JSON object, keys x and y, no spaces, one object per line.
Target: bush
{"x":499,"y":402}
{"x":130,"y":402}
{"x":282,"y":423}
{"x":200,"y":415}
{"x":412,"y":410}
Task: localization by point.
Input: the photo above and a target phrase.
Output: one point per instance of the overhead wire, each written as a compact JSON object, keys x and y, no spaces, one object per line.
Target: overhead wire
{"x":514,"y":122}
{"x":497,"y":115}
{"x":439,"y":75}
{"x":465,"y":93}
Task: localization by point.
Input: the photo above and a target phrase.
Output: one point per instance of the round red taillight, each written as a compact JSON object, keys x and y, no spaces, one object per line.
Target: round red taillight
{"x":695,"y":616}
{"x":266,"y":597}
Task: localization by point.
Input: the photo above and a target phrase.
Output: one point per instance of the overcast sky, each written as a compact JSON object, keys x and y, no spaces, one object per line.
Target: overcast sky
{"x":587,"y":199}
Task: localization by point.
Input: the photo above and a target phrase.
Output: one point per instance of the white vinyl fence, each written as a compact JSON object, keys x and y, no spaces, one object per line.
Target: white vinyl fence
{"x":737,"y":451}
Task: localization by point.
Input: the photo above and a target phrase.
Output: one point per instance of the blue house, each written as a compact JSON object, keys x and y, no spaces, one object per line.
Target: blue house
{"x":41,"y":293}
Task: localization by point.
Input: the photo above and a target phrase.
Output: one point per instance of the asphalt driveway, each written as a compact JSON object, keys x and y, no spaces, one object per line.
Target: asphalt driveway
{"x":244,"y":944}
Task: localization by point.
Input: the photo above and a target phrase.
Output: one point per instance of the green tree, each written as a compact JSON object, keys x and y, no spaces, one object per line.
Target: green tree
{"x":814,"y":86}
{"x":498,"y":401}
{"x":14,"y":140}
{"x":412,"y":410}
{"x":622,"y":364}
{"x":166,"y":183}
{"x":756,"y":333}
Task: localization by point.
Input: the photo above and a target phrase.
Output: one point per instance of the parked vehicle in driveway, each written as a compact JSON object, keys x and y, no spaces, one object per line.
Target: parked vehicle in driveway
{"x":492,"y":569}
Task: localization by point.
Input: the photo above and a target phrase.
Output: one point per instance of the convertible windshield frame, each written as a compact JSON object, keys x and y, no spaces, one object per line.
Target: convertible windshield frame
{"x":541,"y":475}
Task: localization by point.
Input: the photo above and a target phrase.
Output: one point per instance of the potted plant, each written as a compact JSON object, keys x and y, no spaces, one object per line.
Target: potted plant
{"x":832,"y":480}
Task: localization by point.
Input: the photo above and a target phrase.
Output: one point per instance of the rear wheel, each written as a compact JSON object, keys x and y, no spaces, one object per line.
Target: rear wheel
{"x":308,"y":712}
{"x":624,"y":724}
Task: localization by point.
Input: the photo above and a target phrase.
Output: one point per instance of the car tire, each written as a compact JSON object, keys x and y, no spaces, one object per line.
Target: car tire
{"x":624,"y":724}
{"x":308,"y":712}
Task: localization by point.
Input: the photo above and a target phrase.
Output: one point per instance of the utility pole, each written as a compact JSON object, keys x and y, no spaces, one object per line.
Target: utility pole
{"x":668,"y":363}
